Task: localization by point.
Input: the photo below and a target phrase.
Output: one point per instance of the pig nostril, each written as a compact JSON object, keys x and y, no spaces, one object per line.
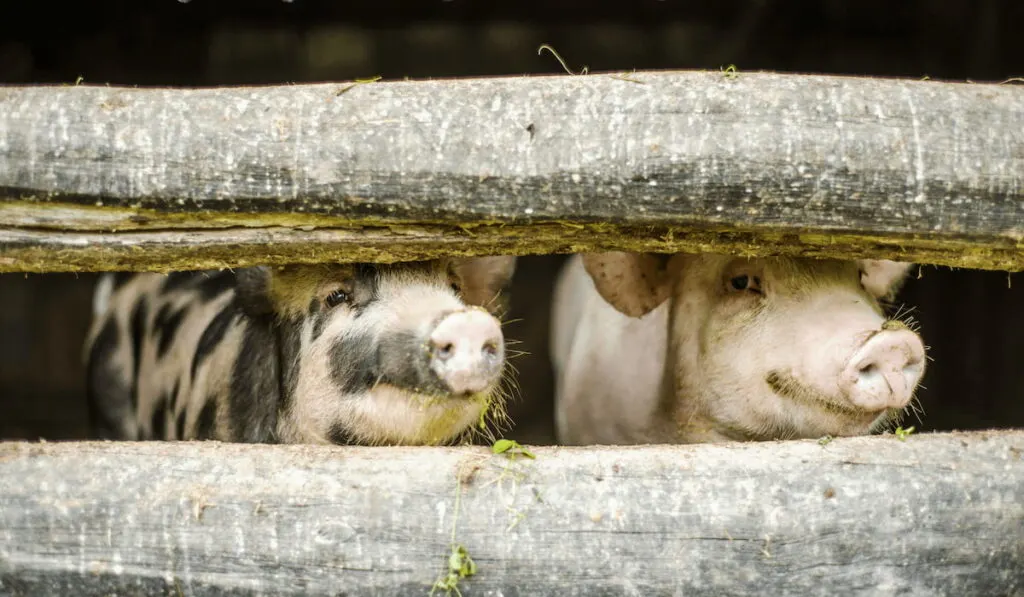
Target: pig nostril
{"x":490,"y":349}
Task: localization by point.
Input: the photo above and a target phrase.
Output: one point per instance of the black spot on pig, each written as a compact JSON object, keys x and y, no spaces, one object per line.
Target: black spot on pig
{"x":205,"y":425}
{"x":122,"y":278}
{"x":340,"y":435}
{"x":213,"y":334}
{"x":213,"y":285}
{"x":404,"y":362}
{"x":354,"y":363}
{"x":163,"y":412}
{"x":177,"y":281}
{"x":255,"y":392}
{"x":158,"y":426}
{"x":140,"y":315}
{"x":179,"y":425}
{"x":102,"y":406}
{"x":165,"y":326}
{"x":207,"y":285}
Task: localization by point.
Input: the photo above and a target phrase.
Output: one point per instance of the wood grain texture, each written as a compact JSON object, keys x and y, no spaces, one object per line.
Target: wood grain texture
{"x":755,"y":164}
{"x":938,"y":514}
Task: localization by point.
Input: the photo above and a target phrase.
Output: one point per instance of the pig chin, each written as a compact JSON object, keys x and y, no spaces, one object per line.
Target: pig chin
{"x":390,"y":414}
{"x":809,"y":412}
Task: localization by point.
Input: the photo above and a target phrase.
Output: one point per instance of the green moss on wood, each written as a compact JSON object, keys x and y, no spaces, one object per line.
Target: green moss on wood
{"x":200,"y":250}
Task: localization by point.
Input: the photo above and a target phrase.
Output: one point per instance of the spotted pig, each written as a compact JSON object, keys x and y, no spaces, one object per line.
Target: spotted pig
{"x":408,"y":353}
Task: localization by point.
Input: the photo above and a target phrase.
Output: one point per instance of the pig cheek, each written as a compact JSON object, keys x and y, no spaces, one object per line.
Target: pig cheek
{"x":734,"y":345}
{"x":751,"y":345}
{"x":318,"y":406}
{"x":730,"y":361}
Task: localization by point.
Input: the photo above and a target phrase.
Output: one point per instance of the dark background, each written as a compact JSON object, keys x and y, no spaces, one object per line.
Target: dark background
{"x":970,"y":319}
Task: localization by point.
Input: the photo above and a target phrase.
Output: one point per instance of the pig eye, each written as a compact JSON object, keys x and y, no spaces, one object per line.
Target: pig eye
{"x":740,"y":282}
{"x":745,"y":282}
{"x":456,"y":288}
{"x":336,"y":298}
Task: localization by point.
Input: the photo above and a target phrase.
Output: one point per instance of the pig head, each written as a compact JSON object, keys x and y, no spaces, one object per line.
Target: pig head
{"x":704,"y":348}
{"x":369,"y":354}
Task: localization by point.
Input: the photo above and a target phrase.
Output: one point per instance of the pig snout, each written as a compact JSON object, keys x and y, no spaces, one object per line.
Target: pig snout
{"x":884,"y":372}
{"x":467,"y":351}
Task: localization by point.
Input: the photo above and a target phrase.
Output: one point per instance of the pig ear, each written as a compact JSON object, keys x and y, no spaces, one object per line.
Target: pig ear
{"x":883,"y":278}
{"x":484,"y":279}
{"x":634,"y":283}
{"x":253,"y":290}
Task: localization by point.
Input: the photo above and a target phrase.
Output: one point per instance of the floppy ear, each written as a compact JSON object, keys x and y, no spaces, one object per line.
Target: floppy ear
{"x":883,"y":278}
{"x":253,"y":290}
{"x":484,"y":279}
{"x":634,"y":283}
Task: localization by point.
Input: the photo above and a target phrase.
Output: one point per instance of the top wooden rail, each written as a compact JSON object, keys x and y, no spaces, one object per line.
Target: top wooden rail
{"x":106,"y":178}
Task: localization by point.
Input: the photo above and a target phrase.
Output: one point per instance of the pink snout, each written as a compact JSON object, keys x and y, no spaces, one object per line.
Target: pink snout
{"x":885,"y":370}
{"x":467,"y":351}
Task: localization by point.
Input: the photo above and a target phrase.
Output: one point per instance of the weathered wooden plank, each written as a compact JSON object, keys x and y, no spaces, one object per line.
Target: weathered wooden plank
{"x":937,"y":514}
{"x":756,"y":164}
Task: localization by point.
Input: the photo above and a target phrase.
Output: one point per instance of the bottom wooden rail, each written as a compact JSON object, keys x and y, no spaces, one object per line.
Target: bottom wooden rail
{"x":936,"y":514}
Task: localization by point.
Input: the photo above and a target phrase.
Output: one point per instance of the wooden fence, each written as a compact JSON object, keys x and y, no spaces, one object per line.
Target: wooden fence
{"x":104,"y":178}
{"x":938,"y":514}
{"x":99,"y":178}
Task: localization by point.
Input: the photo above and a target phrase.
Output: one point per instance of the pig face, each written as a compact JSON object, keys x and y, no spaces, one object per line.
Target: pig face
{"x":383,"y":354}
{"x":772,"y":348}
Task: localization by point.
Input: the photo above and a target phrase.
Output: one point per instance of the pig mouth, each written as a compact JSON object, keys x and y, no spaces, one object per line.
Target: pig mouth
{"x":789,"y":387}
{"x":426,"y":393}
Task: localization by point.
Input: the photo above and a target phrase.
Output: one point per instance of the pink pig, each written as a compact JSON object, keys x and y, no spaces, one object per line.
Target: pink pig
{"x":711,"y":348}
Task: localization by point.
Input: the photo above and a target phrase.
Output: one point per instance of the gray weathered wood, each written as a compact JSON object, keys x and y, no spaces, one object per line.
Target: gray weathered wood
{"x":754,"y":164}
{"x":937,"y":514}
